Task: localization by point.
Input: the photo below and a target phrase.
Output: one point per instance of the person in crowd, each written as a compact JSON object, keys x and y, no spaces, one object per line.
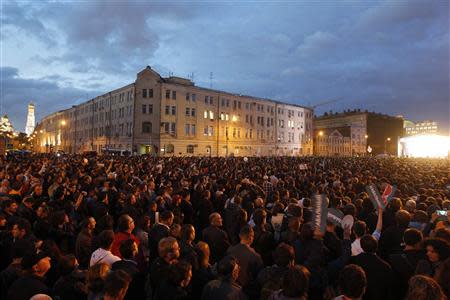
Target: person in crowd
{"x":95,"y":280}
{"x":14,"y":270}
{"x":437,"y":251}
{"x":125,"y":227}
{"x":35,"y":267}
{"x":295,"y":285}
{"x":175,"y":285}
{"x":352,"y":283}
{"x":424,"y":288}
{"x":116,"y":285}
{"x":249,"y":260}
{"x":204,"y":272}
{"x":129,"y":251}
{"x":380,"y":278}
{"x":225,"y":287}
{"x":215,"y":237}
{"x":159,"y":231}
{"x":103,"y":254}
{"x":71,"y":284}
{"x":83,"y":245}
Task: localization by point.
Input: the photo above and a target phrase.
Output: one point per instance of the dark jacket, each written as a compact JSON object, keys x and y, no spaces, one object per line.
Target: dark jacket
{"x":169,"y":291}
{"x":404,"y":265}
{"x":83,"y":248}
{"x":217,"y":240}
{"x":71,"y":287}
{"x":249,"y":261}
{"x":380,"y":278}
{"x":223,"y":290}
{"x":137,"y":283}
{"x":34,"y":285}
{"x":157,"y":233}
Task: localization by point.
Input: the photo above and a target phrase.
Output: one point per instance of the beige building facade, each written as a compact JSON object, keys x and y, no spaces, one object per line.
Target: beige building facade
{"x":172,"y":116}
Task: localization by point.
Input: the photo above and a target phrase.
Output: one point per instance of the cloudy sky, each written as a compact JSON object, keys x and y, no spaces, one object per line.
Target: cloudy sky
{"x":384,"y":56}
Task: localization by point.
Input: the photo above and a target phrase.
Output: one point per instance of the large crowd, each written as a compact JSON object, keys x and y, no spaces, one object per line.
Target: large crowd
{"x":105,"y":227}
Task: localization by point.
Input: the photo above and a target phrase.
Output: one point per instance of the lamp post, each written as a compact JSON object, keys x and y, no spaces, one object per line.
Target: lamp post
{"x":385,"y":141}
{"x":319,"y":141}
{"x":63,"y":124}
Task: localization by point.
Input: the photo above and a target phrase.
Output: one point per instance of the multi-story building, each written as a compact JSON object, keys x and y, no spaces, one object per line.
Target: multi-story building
{"x":424,"y":127}
{"x":172,"y":116}
{"x":356,"y":133}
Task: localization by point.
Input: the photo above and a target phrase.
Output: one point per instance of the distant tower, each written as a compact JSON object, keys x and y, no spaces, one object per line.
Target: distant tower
{"x":30,"y":120}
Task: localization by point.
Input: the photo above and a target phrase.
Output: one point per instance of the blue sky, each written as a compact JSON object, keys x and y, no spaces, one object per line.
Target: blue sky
{"x":384,"y":56}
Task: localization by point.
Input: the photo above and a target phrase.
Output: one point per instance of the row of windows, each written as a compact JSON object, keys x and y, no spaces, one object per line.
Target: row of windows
{"x":147,"y":93}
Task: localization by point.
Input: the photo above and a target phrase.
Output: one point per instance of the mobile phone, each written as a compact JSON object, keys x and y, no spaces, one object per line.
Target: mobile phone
{"x":442,"y":213}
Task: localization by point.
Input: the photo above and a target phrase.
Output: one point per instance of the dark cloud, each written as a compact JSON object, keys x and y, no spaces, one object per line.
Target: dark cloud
{"x":46,"y":94}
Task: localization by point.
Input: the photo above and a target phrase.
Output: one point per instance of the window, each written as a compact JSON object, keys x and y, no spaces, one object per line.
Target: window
{"x":167,"y":94}
{"x":169,"y":148}
{"x":222,"y":116}
{"x":206,"y":99}
{"x":193,"y":112}
{"x":187,"y":129}
{"x":190,"y":149}
{"x":150,"y":108}
{"x":211,"y":100}
{"x":228,"y":103}
{"x":234,"y":104}
{"x":144,"y":93}
{"x":188,"y":112}
{"x":247,"y":106}
{"x":239,"y":104}
{"x":174,"y":110}
{"x":205,"y":114}
{"x":193,"y":97}
{"x":193,"y":129}
{"x":150,"y":93}
{"x":234,"y":132}
{"x":173,"y":127}
{"x":144,"y":109}
{"x":222,"y":102}
{"x":205,"y":131}
{"x":166,"y":127}
{"x":167,"y":109}
{"x":146,"y":127}
{"x":211,"y":115}
{"x":174,"y":95}
{"x":211,"y":131}
{"x":188,"y":97}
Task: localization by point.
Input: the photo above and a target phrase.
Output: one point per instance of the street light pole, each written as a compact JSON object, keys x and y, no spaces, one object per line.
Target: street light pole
{"x":226,"y":140}
{"x":385,"y":141}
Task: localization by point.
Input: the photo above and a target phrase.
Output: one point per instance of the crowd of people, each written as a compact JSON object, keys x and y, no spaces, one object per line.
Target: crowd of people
{"x":105,"y":227}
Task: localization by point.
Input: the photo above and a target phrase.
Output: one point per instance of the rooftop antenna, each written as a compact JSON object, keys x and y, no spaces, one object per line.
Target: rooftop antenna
{"x":191,"y":76}
{"x":210,"y":79}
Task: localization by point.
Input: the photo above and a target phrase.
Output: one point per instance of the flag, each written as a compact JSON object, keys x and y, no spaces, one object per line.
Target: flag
{"x":389,"y":191}
{"x":375,"y":196}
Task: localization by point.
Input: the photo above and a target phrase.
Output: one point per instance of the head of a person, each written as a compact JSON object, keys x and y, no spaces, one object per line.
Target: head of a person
{"x":187,"y":233}
{"x":36,"y":264}
{"x":89,"y":224}
{"x":96,"y":277}
{"x":359,"y":228}
{"x":175,"y":231}
{"x":9,"y":206}
{"x":442,"y":276}
{"x":259,"y":217}
{"x":116,"y":284}
{"x":228,"y":268}
{"x":410,"y":206}
{"x":106,"y":239}
{"x":352,"y":281}
{"x":246,"y":235}
{"x":295,"y":282}
{"x":125,"y":223}
{"x":168,"y":249}
{"x":423,"y":288}
{"x":38,"y":190}
{"x":402,"y":218}
{"x":128,"y":249}
{"x":180,"y":273}
{"x":166,"y":217}
{"x":20,"y":228}
{"x":215,"y":219}
{"x":413,"y":238}
{"x":67,"y":264}
{"x":369,"y":244}
{"x":396,"y":204}
{"x":284,"y":255}
{"x":436,"y":249}
{"x":307,"y":232}
{"x":203,"y":253}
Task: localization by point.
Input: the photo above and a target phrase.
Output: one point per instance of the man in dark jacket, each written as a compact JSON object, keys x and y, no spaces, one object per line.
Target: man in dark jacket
{"x":159,"y":230}
{"x":380,"y":278}
{"x":392,"y":238}
{"x":35,"y":266}
{"x":216,"y":238}
{"x":83,"y":245}
{"x":225,"y":288}
{"x":249,"y":260}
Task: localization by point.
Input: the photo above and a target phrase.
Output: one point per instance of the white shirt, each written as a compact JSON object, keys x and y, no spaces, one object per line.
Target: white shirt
{"x":103,"y":256}
{"x":356,"y":245}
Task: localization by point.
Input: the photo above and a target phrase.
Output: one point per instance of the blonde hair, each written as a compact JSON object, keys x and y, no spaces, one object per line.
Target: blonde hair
{"x":96,"y":277}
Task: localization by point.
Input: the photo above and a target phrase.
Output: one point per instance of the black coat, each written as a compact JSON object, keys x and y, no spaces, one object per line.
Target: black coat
{"x":223,"y":290}
{"x":249,"y":261}
{"x":380,"y":278}
{"x":34,"y":285}
{"x":137,"y":283}
{"x":217,"y":240}
{"x":156,"y":233}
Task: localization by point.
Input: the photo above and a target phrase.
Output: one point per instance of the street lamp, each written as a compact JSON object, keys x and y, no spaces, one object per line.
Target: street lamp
{"x":63,"y":124}
{"x":385,"y":141}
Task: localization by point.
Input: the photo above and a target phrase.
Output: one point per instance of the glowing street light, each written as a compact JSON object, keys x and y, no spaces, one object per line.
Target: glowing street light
{"x":63,"y":122}
{"x":321,"y":133}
